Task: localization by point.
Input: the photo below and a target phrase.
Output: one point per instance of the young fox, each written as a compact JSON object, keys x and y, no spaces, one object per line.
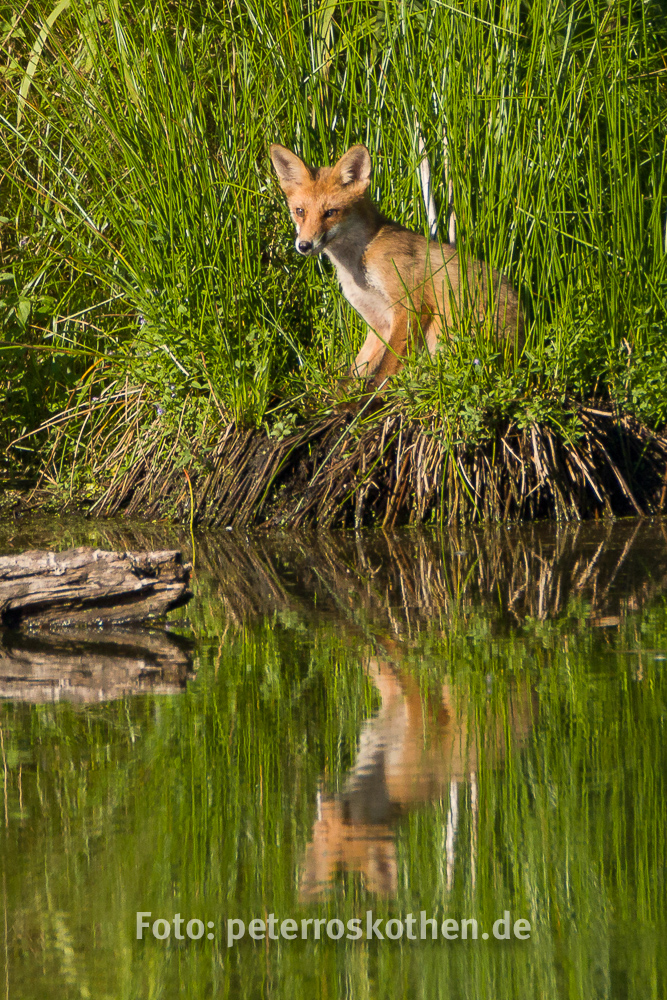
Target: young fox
{"x":406,"y":288}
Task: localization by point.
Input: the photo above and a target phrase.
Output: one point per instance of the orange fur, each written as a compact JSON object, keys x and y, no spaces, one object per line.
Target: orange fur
{"x":407,"y":289}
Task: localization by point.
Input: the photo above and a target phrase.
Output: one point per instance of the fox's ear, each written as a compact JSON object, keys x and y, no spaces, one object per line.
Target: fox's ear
{"x":354,"y":167}
{"x":292,"y":172}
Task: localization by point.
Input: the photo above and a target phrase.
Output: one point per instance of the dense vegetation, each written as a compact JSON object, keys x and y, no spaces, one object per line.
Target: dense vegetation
{"x":149,"y":287}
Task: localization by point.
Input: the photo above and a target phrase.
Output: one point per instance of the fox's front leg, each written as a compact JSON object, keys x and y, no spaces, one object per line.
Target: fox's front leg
{"x":397,"y":345}
{"x":366,"y":363}
{"x":369,"y":357}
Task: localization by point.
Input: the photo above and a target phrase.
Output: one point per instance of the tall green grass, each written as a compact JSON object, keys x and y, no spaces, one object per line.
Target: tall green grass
{"x":146,"y":241}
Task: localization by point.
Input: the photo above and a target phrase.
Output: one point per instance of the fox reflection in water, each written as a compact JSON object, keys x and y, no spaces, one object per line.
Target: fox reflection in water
{"x":410,"y":754}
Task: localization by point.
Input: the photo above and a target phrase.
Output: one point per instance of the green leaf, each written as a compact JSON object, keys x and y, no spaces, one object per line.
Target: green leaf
{"x":23,"y":311}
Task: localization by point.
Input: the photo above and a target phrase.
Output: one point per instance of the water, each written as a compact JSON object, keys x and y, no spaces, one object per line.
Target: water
{"x":465,"y":725}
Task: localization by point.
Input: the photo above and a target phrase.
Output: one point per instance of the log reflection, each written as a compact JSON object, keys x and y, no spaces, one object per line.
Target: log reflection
{"x":91,"y":665}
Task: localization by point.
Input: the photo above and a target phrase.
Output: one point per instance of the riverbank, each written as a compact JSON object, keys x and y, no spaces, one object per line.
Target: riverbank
{"x":382,"y":469}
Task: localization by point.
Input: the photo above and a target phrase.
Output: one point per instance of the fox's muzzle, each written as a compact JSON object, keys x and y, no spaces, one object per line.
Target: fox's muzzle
{"x":310,"y":248}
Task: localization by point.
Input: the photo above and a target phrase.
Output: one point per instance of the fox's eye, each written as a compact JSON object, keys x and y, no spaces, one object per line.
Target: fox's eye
{"x":330,"y":212}
{"x":298,"y":211}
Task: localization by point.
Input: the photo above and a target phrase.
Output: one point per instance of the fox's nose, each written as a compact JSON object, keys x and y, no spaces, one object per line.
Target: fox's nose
{"x":304,"y":246}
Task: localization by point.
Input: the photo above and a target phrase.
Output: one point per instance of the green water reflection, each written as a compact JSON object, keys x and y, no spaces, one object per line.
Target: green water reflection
{"x":463,"y":724}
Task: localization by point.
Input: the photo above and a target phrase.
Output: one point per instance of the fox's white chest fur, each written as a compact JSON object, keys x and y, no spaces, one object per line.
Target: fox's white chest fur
{"x":371,"y":303}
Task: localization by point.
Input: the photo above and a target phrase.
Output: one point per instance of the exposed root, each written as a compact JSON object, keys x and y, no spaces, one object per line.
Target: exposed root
{"x":389,"y":470}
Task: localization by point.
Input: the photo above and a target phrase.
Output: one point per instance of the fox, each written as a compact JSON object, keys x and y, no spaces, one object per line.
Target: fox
{"x":410,"y":291}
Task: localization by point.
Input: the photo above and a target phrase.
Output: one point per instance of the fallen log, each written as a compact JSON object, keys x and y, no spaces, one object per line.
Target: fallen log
{"x":84,"y":666}
{"x":87,"y":586}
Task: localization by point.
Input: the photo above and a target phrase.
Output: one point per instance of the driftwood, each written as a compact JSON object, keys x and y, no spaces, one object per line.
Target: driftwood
{"x":90,"y":587}
{"x":91,"y":665}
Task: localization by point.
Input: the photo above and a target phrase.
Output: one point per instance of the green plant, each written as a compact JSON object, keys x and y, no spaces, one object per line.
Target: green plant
{"x":144,"y":225}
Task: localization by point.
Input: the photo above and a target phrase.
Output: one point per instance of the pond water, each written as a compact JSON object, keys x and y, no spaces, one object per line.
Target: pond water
{"x":468,"y":726}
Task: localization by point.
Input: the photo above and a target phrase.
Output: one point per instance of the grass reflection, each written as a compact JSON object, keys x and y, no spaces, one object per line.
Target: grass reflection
{"x":518,"y":750}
